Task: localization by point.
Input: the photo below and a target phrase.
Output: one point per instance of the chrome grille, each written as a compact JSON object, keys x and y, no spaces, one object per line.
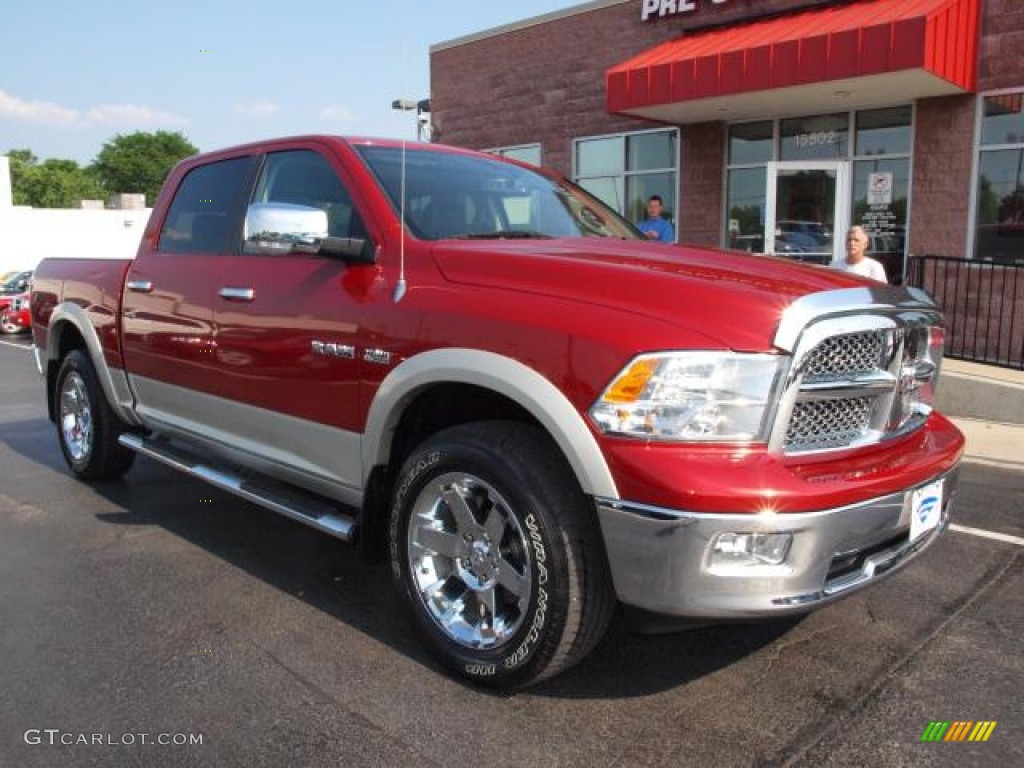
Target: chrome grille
{"x":863,"y":370}
{"x":822,"y":424}
{"x":842,"y":356}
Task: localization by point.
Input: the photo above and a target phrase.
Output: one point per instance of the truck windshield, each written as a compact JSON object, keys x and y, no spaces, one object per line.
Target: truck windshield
{"x":449,"y":195}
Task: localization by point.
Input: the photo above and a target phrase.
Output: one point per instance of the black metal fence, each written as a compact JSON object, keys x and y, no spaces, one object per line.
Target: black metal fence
{"x":983,"y":302}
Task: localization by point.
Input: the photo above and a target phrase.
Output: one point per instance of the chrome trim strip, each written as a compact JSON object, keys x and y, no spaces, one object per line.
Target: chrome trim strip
{"x":868,"y":386}
{"x":503,"y":375}
{"x":753,"y":521}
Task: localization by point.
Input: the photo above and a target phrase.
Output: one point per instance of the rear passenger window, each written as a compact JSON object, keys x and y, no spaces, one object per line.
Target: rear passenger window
{"x":205,"y":213}
{"x":303,"y":177}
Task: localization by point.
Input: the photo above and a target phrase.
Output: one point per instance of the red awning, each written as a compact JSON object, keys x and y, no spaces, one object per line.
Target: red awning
{"x":863,"y":53}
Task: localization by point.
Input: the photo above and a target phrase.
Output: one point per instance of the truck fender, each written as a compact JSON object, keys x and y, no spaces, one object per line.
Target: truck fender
{"x":114,"y":381}
{"x":503,"y":375}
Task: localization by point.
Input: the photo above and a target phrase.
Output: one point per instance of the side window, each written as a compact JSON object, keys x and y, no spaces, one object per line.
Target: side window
{"x":203,"y":217}
{"x":303,"y":177}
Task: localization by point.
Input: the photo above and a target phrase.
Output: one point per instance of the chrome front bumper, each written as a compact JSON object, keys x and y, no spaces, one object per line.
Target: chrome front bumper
{"x":661,"y":558}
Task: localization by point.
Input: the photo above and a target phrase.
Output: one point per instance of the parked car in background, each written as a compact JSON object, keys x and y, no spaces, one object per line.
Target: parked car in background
{"x":15,"y":318}
{"x":15,"y":282}
{"x":816,"y":230}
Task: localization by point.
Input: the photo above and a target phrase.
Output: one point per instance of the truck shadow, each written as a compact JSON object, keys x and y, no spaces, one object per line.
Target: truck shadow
{"x":337,"y":580}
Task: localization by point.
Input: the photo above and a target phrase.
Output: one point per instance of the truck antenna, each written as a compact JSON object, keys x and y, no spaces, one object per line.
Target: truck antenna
{"x":400,"y":286}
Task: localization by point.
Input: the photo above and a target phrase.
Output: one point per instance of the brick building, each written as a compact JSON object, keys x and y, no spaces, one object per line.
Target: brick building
{"x":766,"y":125}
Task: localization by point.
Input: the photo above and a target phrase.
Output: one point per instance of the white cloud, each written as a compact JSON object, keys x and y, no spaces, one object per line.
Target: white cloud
{"x":338,"y":113}
{"x":131,"y":115}
{"x":256,"y":108}
{"x":119,"y":115}
{"x":35,"y":111}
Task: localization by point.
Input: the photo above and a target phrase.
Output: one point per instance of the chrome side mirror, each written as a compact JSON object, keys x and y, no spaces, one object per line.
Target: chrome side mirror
{"x":281,"y":228}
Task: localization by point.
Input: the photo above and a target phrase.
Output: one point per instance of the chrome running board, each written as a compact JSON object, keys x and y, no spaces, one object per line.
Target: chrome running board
{"x":314,"y":511}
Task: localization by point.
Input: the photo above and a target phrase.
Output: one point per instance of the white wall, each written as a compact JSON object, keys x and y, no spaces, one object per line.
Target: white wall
{"x":29,"y":235}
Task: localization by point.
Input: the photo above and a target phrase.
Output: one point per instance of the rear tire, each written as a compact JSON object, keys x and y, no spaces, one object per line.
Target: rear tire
{"x":87,"y":427}
{"x":497,"y":553}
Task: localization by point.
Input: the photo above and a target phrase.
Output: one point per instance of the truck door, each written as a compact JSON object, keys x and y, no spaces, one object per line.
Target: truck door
{"x":287,"y":334}
{"x":167,"y":318}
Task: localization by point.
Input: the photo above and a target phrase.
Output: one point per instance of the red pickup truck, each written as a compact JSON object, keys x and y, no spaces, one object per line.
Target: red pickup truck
{"x":478,"y":369}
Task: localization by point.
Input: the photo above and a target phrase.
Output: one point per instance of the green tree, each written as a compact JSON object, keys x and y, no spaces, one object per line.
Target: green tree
{"x":139,"y":162}
{"x":54,"y":183}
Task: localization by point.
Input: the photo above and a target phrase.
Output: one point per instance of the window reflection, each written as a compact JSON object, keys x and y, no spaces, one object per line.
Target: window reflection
{"x":746,"y":206}
{"x":1000,"y":212}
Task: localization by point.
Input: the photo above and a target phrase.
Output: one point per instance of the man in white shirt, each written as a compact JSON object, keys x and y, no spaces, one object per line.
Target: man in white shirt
{"x":856,"y":261}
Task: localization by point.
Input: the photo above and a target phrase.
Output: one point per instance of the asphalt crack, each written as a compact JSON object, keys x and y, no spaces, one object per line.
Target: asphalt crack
{"x":841,"y":717}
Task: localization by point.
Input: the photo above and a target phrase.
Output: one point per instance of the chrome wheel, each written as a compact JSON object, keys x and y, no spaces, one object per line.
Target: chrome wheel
{"x":75,"y":417}
{"x":469,"y":558}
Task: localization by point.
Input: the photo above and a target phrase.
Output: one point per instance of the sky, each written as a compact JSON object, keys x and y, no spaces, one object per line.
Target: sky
{"x":74,"y":74}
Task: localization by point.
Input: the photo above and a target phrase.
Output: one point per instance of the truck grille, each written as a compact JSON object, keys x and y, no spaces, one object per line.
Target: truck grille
{"x":857,"y":388}
{"x":827,"y":424}
{"x":842,"y":356}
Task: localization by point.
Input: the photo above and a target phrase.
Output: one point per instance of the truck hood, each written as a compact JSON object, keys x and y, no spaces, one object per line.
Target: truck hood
{"x":733,"y":298}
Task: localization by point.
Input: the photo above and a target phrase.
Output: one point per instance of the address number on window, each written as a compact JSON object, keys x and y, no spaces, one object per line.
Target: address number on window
{"x":819,"y":138}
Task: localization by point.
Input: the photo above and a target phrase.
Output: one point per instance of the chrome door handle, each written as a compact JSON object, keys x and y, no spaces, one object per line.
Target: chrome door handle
{"x":237,"y":294}
{"x":139,"y":286}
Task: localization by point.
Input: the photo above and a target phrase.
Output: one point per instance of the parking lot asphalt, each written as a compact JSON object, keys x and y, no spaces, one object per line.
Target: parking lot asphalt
{"x":157,"y":605}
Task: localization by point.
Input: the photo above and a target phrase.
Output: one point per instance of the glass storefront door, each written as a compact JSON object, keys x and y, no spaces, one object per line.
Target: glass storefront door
{"x":807,"y":210}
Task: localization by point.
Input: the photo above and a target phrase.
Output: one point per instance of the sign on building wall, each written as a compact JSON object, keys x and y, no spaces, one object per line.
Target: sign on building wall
{"x":657,"y":9}
{"x":651,"y":10}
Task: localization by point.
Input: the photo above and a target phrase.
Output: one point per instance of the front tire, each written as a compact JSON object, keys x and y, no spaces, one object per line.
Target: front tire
{"x":87,"y":427}
{"x":497,"y":553}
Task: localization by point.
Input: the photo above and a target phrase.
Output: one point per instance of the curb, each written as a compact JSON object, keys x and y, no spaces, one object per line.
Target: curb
{"x":982,"y":392}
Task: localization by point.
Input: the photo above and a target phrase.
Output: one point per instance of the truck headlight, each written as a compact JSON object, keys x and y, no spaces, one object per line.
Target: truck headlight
{"x":699,"y":396}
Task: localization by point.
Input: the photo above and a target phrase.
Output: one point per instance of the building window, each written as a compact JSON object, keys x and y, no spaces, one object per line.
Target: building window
{"x":751,"y":146}
{"x":884,"y":131}
{"x":881,"y":183}
{"x":524,"y":153}
{"x":875,"y":143}
{"x":627,"y":169}
{"x":1000,"y":213}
